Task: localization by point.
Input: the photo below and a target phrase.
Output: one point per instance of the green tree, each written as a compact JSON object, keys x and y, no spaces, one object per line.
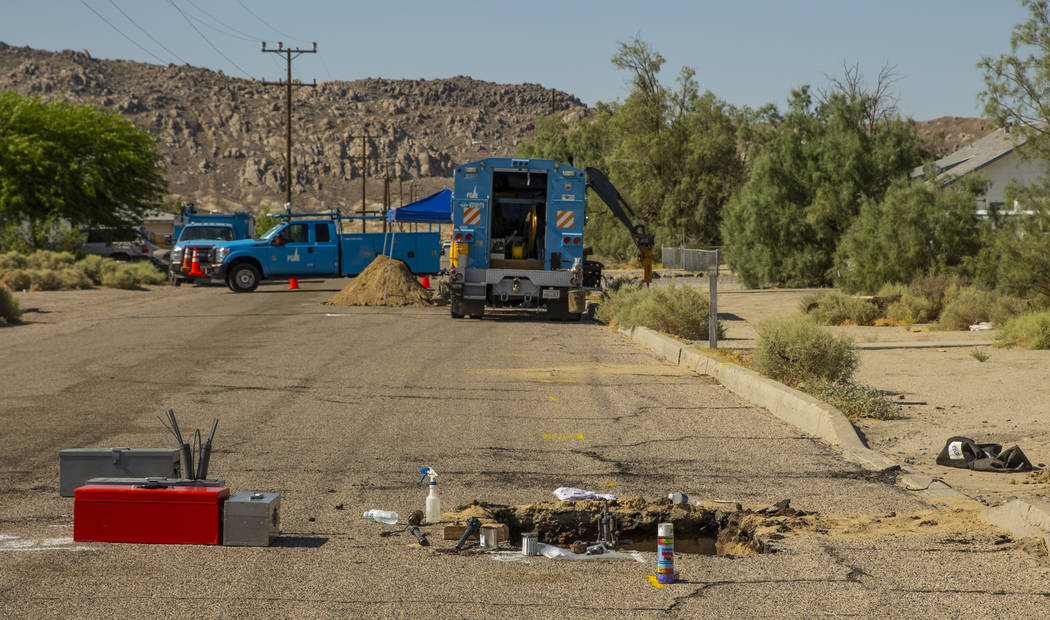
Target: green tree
{"x":1016,"y":254}
{"x":671,"y":153}
{"x":61,"y":162}
{"x":812,"y":169}
{"x":915,"y":230}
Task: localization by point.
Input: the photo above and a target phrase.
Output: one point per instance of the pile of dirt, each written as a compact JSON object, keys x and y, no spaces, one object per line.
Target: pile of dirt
{"x":384,"y":282}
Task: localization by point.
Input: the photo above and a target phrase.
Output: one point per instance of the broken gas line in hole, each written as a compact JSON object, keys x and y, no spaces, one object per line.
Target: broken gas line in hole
{"x":697,"y":529}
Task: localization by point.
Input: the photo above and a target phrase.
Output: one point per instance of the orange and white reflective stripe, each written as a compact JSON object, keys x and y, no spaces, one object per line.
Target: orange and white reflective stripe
{"x":471,"y":216}
{"x":566,"y":219}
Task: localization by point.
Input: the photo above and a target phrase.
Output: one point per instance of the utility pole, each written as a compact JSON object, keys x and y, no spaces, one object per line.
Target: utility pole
{"x":364,"y":174}
{"x":288,"y":52}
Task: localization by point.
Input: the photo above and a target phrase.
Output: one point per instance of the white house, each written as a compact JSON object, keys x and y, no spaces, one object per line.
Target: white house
{"x":995,"y":158}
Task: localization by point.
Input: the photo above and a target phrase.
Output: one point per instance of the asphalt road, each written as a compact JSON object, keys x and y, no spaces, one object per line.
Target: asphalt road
{"x":337,"y":407}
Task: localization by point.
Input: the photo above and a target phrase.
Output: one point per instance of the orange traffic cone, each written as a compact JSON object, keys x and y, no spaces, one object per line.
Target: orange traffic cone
{"x":425,"y":282}
{"x":195,"y":267}
{"x":293,"y":284}
{"x":185,"y":260}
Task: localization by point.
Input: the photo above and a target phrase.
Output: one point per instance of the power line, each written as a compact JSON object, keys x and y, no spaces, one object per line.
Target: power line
{"x":146,"y":33}
{"x":243,"y":35}
{"x":267,"y":24}
{"x":188,"y":21}
{"x":133,"y":41}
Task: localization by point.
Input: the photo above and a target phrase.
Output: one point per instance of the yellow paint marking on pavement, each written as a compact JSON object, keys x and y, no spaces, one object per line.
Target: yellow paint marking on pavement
{"x":553,"y":398}
{"x":654,"y":582}
{"x":560,"y":437}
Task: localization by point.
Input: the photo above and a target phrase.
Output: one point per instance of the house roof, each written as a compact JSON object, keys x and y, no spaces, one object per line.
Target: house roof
{"x":975,"y":155}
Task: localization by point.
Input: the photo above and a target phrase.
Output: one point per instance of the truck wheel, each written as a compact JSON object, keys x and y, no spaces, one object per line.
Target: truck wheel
{"x":455,"y":305}
{"x":243,"y":278}
{"x":124,"y":258}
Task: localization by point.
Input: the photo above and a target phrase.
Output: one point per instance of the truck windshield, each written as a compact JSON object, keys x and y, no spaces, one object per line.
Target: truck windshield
{"x":206,"y":233}
{"x":270,"y":233}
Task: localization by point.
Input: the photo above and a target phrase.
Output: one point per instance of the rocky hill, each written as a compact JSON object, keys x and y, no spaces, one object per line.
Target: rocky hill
{"x":948,"y":134}
{"x":223,"y":138}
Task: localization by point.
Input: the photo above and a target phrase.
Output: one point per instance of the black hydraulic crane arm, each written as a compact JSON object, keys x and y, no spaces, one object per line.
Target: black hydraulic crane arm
{"x":601,"y":185}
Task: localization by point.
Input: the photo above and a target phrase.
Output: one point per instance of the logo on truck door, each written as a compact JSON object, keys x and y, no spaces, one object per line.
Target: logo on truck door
{"x":471,"y":216}
{"x":566,"y":219}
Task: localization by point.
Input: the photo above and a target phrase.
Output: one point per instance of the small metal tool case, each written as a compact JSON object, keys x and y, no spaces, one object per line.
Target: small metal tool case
{"x":149,"y":513}
{"x":251,"y":519}
{"x":76,"y":466}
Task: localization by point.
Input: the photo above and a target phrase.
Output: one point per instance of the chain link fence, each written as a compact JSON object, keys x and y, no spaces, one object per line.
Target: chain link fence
{"x":689,"y":259}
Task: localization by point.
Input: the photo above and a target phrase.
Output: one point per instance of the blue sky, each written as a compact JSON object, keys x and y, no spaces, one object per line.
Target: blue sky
{"x":748,"y":52}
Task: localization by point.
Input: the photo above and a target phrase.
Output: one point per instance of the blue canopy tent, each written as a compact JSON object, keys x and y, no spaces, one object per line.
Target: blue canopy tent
{"x":434,"y":209}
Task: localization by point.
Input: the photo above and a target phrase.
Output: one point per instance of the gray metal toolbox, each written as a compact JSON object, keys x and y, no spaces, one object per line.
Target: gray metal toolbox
{"x":77,"y":465}
{"x":251,"y":519}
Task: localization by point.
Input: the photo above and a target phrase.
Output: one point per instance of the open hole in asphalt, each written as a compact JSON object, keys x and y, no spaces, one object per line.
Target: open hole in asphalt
{"x":697,"y":529}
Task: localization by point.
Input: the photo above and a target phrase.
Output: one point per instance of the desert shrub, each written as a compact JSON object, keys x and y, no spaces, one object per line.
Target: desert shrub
{"x":617,"y":283}
{"x":856,"y":400}
{"x":1031,"y":331}
{"x":146,"y":273}
{"x":73,"y":278}
{"x":10,"y":312}
{"x":118,"y":276}
{"x":91,"y":265}
{"x":912,"y":308}
{"x":45,"y":280}
{"x":936,"y":287}
{"x":48,"y":260}
{"x":681,"y":311}
{"x":965,"y":306}
{"x":18,"y":279}
{"x":796,"y":350}
{"x":1006,"y":307}
{"x":835,"y":308}
{"x":9,"y":261}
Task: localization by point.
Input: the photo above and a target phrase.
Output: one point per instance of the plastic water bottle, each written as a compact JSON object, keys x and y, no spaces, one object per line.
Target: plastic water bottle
{"x":665,"y":552}
{"x":382,"y":516}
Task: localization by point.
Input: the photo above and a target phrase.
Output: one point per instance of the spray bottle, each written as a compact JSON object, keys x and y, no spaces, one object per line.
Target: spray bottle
{"x":432,"y":514}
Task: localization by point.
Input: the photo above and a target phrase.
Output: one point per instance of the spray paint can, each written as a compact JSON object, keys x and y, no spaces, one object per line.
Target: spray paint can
{"x":665,"y":552}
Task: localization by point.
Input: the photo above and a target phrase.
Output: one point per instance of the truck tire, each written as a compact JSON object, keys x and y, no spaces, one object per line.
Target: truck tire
{"x":558,"y":309}
{"x":243,"y":278}
{"x":124,"y":258}
{"x":455,"y":305}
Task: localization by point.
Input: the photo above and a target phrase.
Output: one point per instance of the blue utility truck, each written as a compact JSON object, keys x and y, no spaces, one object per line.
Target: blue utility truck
{"x":195,"y":230}
{"x":517,"y":236}
{"x":307,"y":245}
{"x":241,"y":223}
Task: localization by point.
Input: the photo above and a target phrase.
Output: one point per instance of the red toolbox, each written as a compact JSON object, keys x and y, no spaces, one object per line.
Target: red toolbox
{"x":147,"y":514}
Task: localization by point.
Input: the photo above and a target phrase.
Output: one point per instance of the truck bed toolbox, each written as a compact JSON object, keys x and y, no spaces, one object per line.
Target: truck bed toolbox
{"x":149,"y":513}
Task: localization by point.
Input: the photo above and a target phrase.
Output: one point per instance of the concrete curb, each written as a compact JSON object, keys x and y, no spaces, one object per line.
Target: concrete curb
{"x":1020,"y":518}
{"x":792,"y":406}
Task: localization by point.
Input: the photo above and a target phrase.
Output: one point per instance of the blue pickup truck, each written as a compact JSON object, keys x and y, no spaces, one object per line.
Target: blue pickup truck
{"x":312,"y":245}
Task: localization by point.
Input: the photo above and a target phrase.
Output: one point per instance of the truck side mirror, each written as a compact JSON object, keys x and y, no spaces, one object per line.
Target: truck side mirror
{"x":587,"y":251}
{"x":276,"y":241}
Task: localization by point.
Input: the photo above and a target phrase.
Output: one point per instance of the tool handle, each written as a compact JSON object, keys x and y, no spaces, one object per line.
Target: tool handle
{"x":205,"y":456}
{"x":473,"y":525}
